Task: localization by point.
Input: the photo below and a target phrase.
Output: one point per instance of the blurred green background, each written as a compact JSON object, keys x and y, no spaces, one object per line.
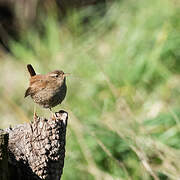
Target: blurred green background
{"x":123,"y":93}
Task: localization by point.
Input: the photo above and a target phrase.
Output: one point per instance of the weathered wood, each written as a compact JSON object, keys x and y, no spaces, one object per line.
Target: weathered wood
{"x":37,"y":149}
{"x":4,"y":155}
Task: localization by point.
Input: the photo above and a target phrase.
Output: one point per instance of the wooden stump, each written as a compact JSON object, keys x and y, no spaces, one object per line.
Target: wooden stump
{"x":37,"y":150}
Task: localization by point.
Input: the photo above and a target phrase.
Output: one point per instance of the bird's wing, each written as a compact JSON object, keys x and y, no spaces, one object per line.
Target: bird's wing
{"x":36,"y":85}
{"x":28,"y":92}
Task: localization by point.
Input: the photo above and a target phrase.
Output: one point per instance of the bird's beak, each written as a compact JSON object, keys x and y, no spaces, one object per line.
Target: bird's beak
{"x":66,"y":74}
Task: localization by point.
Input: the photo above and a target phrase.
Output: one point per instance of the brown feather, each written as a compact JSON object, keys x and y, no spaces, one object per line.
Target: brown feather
{"x":37,"y":83}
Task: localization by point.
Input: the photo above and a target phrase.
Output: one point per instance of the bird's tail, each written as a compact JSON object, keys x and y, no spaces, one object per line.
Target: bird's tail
{"x":31,"y":70}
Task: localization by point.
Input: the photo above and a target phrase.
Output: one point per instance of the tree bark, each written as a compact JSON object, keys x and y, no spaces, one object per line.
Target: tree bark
{"x":37,"y":150}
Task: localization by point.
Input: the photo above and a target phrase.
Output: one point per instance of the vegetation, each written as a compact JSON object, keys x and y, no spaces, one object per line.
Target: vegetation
{"x":123,"y":93}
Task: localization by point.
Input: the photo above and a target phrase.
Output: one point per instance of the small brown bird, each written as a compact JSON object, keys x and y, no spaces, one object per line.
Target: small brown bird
{"x":47,"y":90}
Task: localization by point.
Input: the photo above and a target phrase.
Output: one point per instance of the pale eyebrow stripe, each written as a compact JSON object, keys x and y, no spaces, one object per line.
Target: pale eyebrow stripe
{"x":53,"y":74}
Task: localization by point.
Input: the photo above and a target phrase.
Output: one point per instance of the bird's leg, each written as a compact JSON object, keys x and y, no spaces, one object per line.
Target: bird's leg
{"x":53,"y":116}
{"x":34,"y":114}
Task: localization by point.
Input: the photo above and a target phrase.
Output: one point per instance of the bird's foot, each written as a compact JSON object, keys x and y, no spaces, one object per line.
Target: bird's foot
{"x":35,"y":116}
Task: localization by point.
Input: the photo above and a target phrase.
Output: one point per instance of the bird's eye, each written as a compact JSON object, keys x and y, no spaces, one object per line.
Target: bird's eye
{"x":56,"y":75}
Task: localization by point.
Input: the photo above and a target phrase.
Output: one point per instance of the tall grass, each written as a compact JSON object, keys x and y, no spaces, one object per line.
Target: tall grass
{"x":123,"y":94}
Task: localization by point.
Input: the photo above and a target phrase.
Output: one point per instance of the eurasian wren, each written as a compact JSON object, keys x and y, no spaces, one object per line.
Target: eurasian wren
{"x":47,"y":90}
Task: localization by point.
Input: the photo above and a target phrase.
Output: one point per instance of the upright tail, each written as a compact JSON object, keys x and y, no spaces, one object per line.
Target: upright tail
{"x":31,"y":70}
